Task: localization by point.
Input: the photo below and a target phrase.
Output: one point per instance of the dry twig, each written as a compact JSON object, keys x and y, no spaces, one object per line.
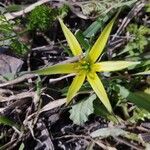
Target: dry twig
{"x":17,"y":96}
{"x":13,"y":15}
{"x":18,"y":80}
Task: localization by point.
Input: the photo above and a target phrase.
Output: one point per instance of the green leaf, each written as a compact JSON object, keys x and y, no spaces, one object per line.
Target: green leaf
{"x":79,"y":113}
{"x":147,"y":8}
{"x":75,"y":86}
{"x":80,"y":37}
{"x":141,"y":99}
{"x":99,"y":45}
{"x":57,"y":69}
{"x":143,"y":73}
{"x":71,"y":39}
{"x":22,"y":146}
{"x":144,"y":95}
{"x":98,"y":87}
{"x":7,"y":121}
{"x":139,"y":114}
{"x":95,"y":26}
{"x":13,"y":8}
{"x":113,"y":65}
{"x":101,"y":110}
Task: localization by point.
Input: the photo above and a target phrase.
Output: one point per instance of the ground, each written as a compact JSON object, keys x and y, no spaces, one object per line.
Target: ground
{"x":33,"y":113}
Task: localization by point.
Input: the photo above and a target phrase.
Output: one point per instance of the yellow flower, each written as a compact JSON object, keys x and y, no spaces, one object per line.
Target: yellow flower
{"x":87,"y":67}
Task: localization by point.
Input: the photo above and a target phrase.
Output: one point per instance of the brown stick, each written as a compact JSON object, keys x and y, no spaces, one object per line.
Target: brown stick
{"x":17,"y":80}
{"x":13,"y":15}
{"x":18,"y":96}
{"x":53,"y":104}
{"x":138,"y":6}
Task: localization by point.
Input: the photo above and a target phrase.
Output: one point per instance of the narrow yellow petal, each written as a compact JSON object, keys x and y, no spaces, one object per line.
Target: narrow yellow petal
{"x":112,"y":65}
{"x":57,"y":69}
{"x":71,"y":39}
{"x":98,"y":87}
{"x":99,"y":45}
{"x":75,"y":86}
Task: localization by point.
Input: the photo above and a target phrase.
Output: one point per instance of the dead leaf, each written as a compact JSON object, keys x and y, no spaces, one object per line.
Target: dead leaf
{"x":9,"y":64}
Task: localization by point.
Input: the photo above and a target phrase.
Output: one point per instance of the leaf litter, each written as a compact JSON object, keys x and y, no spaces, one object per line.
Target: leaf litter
{"x":33,"y":114}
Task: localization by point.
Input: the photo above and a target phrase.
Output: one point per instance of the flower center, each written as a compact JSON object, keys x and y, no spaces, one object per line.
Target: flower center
{"x":85,"y":65}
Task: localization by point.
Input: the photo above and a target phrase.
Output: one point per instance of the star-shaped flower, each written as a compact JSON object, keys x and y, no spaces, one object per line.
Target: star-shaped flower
{"x":87,"y":67}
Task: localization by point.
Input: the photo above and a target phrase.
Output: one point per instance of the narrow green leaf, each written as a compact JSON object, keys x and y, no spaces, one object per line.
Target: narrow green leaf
{"x":7,"y":121}
{"x":98,"y":87}
{"x":80,"y":37}
{"x":79,"y":113}
{"x":71,"y":39}
{"x":75,"y":86}
{"x":100,"y":110}
{"x":95,"y":26}
{"x":99,"y":45}
{"x":57,"y":69}
{"x":22,"y":146}
{"x":113,"y":65}
{"x":143,"y":95}
{"x":143,"y":73}
{"x":142,"y":101}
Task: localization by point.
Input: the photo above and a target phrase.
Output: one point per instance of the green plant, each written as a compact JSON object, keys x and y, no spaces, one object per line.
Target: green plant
{"x":10,"y":37}
{"x":6,"y":29}
{"x":147,"y":72}
{"x":147,"y":8}
{"x":62,"y":11}
{"x":87,"y":67}
{"x":13,"y":8}
{"x":79,"y":113}
{"x":138,"y":39}
{"x":18,"y":47}
{"x":40,"y":18}
{"x":139,"y":114}
{"x":104,"y":6}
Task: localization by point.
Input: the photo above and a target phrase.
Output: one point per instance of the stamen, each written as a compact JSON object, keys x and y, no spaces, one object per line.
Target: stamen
{"x":85,"y":65}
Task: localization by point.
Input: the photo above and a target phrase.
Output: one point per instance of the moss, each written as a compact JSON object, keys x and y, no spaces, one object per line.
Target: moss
{"x":18,"y":47}
{"x":40,"y":18}
{"x":139,"y":39}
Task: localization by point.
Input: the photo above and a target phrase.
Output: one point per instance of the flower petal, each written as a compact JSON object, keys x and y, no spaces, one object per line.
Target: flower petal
{"x":98,"y":87}
{"x":57,"y":69}
{"x":99,"y":45}
{"x":75,"y":86}
{"x":112,"y":65}
{"x":71,"y":39}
